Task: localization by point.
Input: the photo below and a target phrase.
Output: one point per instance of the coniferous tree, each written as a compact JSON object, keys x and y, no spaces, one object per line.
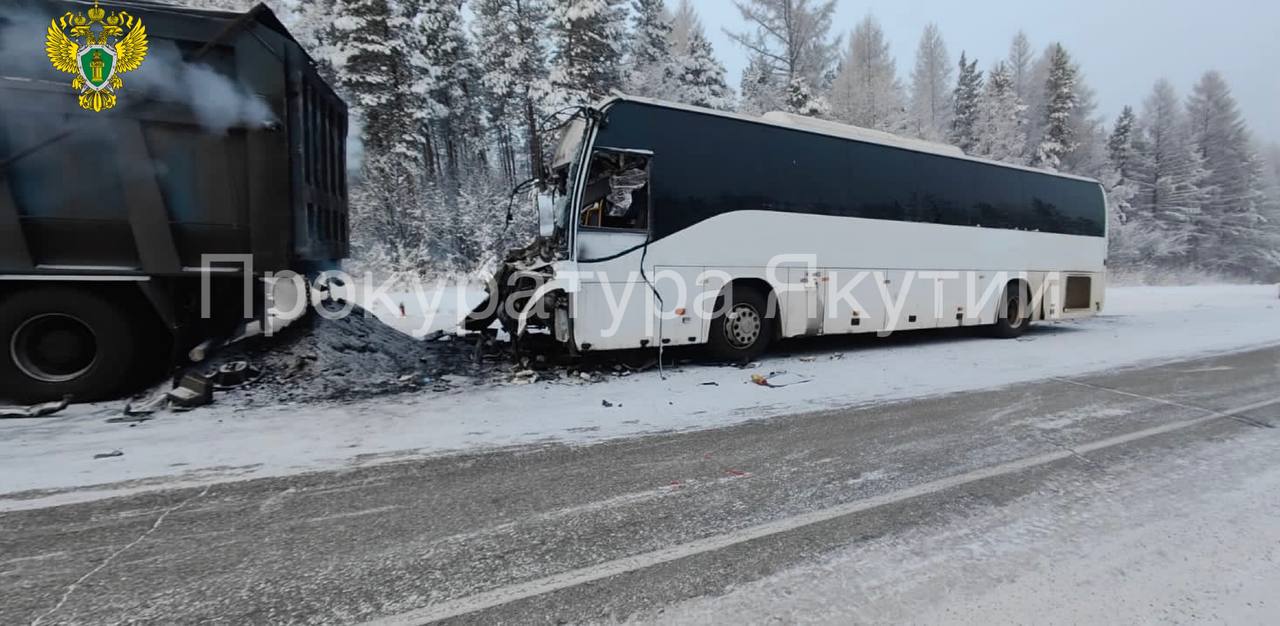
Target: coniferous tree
{"x":1231,"y":233}
{"x":650,"y":55}
{"x":1167,"y":172}
{"x":1020,"y":63}
{"x":1088,"y":155}
{"x":966,"y":102}
{"x":1059,"y":137}
{"x":589,"y":40}
{"x":509,"y":38}
{"x":761,"y":88}
{"x":866,"y":91}
{"x":697,"y":78}
{"x":999,"y":134}
{"x":790,"y":51}
{"x":683,"y":24}
{"x":444,"y":83}
{"x":1120,"y":142}
{"x":930,"y":114}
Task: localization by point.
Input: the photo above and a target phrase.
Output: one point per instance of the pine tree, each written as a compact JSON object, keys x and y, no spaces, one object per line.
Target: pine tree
{"x":651,"y":56}
{"x":372,"y":74}
{"x":1166,"y":172}
{"x":866,"y":91}
{"x":999,"y":134}
{"x":697,"y":78}
{"x":1060,"y":104}
{"x":589,"y":40}
{"x":387,"y":223}
{"x":1231,"y":230}
{"x":966,"y":102}
{"x":509,"y":46}
{"x":789,"y":47}
{"x":444,"y":82}
{"x":1120,"y":143}
{"x":1088,"y":155}
{"x":761,"y":89}
{"x":802,"y":101}
{"x":931,"y":87}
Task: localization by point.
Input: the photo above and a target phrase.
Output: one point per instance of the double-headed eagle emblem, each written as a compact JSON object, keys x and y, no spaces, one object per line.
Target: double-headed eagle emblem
{"x":99,"y":49}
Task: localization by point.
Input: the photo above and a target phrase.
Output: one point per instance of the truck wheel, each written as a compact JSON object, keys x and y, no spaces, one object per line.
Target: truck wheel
{"x":60,"y":342}
{"x":744,"y":329}
{"x":1014,"y":315}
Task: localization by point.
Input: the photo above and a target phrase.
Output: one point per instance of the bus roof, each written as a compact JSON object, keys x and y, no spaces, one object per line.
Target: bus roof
{"x":843,"y":131}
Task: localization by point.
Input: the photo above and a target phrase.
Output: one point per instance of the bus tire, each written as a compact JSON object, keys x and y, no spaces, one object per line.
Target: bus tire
{"x":1014,"y":316}
{"x":744,"y":328}
{"x":58,"y":342}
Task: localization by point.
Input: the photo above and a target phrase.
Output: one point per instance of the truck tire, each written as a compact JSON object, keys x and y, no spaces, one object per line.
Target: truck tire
{"x":1014,"y":316}
{"x":59,"y":342}
{"x":744,"y":329}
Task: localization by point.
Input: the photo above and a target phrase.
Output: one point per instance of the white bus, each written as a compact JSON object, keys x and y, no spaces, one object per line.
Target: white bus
{"x":671,"y":225}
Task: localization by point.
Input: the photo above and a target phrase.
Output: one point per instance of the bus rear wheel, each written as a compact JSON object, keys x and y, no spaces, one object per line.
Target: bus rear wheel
{"x":1014,"y":316}
{"x":59,"y":342}
{"x":744,"y":327}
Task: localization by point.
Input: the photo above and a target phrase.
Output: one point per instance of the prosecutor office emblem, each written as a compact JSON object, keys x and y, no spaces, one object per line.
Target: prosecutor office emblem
{"x":97,"y":48}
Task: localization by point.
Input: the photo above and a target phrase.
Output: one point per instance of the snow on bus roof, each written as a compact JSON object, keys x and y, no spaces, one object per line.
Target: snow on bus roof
{"x":843,"y":131}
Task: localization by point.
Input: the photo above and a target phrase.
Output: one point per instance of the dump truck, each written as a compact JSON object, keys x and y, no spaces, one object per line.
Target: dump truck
{"x":130,"y":233}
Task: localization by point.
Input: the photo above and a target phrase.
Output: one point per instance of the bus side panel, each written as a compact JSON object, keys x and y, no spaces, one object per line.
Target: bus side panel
{"x":597,"y":327}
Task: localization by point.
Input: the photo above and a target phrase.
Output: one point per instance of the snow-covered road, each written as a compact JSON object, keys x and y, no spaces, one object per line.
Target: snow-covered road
{"x":1185,"y":539}
{"x":51,"y":461}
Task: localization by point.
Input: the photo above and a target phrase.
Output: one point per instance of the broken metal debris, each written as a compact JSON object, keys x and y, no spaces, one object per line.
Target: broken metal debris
{"x":235,"y":374}
{"x":191,"y":391}
{"x":38,"y":410}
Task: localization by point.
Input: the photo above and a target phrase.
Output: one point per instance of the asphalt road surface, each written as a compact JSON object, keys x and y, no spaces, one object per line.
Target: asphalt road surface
{"x":1135,"y":495}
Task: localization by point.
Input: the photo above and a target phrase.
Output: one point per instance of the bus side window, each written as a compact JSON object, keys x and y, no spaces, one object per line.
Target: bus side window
{"x":617,"y":192}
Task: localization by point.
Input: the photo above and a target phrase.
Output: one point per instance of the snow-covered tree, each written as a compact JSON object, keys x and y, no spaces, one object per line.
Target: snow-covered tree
{"x":1088,"y":155}
{"x":930,"y":113}
{"x":684,"y":22}
{"x":1020,"y":63}
{"x":789,"y":47}
{"x":696,"y":77}
{"x":966,"y":104}
{"x":650,"y":56}
{"x":1120,"y":142}
{"x":444,"y":83}
{"x":802,"y":100}
{"x":1232,"y":234}
{"x":999,"y":134}
{"x":590,"y":37}
{"x":372,"y":74}
{"x":1060,"y":104}
{"x":509,"y":47}
{"x":1166,"y":170}
{"x":762,"y":91}
{"x":866,"y":91}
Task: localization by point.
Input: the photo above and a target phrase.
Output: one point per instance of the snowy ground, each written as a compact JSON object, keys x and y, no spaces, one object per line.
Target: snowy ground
{"x":51,"y":461}
{"x":1185,"y":539}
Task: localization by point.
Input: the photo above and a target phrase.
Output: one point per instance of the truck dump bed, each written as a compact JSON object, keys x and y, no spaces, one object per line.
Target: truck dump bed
{"x":224,"y":141}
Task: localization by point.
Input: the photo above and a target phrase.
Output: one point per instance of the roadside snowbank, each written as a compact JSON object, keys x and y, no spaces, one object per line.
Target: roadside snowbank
{"x":223,"y":442}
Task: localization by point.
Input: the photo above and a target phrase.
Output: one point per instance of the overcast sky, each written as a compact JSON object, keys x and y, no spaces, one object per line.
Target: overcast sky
{"x":1122,"y":45}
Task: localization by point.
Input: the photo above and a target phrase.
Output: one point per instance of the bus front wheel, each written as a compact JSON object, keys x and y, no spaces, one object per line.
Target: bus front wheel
{"x":744,"y":326}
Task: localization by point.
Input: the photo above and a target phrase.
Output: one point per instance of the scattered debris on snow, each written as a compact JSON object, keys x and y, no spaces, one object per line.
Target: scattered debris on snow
{"x":38,"y":410}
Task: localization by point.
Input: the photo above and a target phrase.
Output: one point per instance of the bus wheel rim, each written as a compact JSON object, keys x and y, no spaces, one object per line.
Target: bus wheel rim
{"x":54,"y":348}
{"x":742,"y":326}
